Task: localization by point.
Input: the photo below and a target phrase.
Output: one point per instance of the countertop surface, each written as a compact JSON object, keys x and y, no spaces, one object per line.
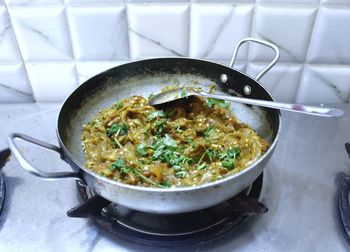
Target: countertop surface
{"x":300,"y":187}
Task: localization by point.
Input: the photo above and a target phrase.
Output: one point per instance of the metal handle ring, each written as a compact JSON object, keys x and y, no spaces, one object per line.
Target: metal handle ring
{"x":269,"y":66}
{"x":29,"y":168}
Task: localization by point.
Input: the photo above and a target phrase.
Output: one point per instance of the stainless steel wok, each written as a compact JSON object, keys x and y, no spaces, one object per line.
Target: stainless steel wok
{"x":142,"y":78}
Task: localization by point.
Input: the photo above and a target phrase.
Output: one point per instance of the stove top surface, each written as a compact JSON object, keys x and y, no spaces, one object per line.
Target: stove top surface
{"x":300,"y":192}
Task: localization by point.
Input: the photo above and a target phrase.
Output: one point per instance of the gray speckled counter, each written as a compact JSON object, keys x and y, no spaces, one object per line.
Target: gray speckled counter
{"x":299,"y":190}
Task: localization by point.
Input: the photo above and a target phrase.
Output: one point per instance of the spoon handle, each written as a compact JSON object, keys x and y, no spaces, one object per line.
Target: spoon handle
{"x":311,"y":110}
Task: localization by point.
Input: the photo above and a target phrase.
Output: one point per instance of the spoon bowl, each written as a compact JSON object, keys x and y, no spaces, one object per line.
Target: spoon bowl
{"x":180,"y":93}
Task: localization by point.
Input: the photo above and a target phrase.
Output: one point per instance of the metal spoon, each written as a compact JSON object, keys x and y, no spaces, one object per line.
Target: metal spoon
{"x":180,"y":93}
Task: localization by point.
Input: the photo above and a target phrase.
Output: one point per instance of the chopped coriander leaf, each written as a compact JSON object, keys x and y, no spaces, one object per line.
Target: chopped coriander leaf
{"x":180,"y":174}
{"x":202,"y":166}
{"x":116,"y":142}
{"x":229,"y":163}
{"x":119,"y":129}
{"x":183,"y":93}
{"x":169,"y":142}
{"x":178,"y":129}
{"x":141,"y":149}
{"x":119,"y":105}
{"x":191,"y":142}
{"x":144,"y":178}
{"x":170,"y":113}
{"x":92,"y":122}
{"x":208,"y":131}
{"x":155,"y":114}
{"x":165,"y":184}
{"x":151,"y":95}
{"x":228,"y":157}
{"x":160,"y":126}
{"x":230,"y":153}
{"x":120,"y":166}
{"x":212,"y":154}
{"x":211,"y":102}
{"x":234,"y":152}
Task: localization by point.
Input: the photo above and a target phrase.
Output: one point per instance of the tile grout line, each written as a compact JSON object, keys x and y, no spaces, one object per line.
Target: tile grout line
{"x":19,"y":51}
{"x":305,"y":63}
{"x":74,"y":59}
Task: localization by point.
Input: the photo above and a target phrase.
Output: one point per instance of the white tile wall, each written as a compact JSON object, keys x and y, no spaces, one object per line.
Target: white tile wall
{"x":48,"y":47}
{"x":99,"y":32}
{"x":325,"y":84}
{"x":217,"y":28}
{"x":52,"y":81}
{"x":14,"y":86}
{"x":88,"y":69}
{"x":42,"y":33}
{"x":288,"y":28}
{"x":158,"y":30}
{"x":282,"y":81}
{"x":331,"y":38}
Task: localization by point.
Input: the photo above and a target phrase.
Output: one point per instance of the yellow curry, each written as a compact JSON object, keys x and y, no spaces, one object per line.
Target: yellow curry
{"x":192,"y":142}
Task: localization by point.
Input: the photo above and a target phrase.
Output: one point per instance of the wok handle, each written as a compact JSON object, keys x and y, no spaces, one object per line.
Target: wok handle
{"x":259,"y":41}
{"x":29,"y":168}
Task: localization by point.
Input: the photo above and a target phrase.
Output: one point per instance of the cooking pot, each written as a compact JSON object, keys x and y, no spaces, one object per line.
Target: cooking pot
{"x":142,"y":78}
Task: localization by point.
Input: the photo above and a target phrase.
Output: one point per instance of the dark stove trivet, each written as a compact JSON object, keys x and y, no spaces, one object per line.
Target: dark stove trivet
{"x":2,"y":192}
{"x":343,"y":198}
{"x":170,"y":229}
{"x":4,"y":157}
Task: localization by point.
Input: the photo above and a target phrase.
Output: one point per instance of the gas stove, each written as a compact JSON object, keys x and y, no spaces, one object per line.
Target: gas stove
{"x":299,"y":187}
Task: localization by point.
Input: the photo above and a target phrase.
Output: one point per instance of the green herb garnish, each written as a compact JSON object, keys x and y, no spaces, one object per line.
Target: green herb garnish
{"x":165,"y":150}
{"x":118,"y":105}
{"x":151,"y":95}
{"x":211,"y":102}
{"x":119,"y":129}
{"x":160,"y":126}
{"x":181,"y":174}
{"x":212,"y":154}
{"x":155,"y":114}
{"x":169,"y":142}
{"x":183,"y":93}
{"x":229,"y":163}
{"x":120,"y":166}
{"x":230,"y":153}
{"x":165,"y":184}
{"x":202,"y":166}
{"x":228,"y":158}
{"x":208,"y":131}
{"x":141,"y":149}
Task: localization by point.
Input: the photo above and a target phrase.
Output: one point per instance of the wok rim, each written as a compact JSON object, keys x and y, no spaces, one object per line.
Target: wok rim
{"x":216,"y":183}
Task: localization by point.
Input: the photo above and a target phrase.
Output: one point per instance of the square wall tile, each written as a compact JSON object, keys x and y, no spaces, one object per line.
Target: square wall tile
{"x":14,"y":86}
{"x":158,"y":30}
{"x":85,"y":2}
{"x":325,"y":84}
{"x":223,"y":1}
{"x":99,"y":33}
{"x":8,"y":46}
{"x":336,"y":2}
{"x":217,"y":28}
{"x":299,"y":2}
{"x":51,"y":81}
{"x":87,"y":69}
{"x":287,"y":27}
{"x":331,"y":37}
{"x":42,"y":32}
{"x":282,"y":81}
{"x":31,"y":2}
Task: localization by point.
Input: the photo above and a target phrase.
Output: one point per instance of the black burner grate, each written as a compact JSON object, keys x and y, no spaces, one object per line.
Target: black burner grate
{"x":170,"y":229}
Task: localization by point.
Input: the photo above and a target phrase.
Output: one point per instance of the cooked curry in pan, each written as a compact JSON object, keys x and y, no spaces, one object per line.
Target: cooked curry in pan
{"x":192,"y":142}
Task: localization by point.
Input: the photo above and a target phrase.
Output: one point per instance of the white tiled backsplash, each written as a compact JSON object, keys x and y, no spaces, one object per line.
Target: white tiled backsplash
{"x":49,"y":47}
